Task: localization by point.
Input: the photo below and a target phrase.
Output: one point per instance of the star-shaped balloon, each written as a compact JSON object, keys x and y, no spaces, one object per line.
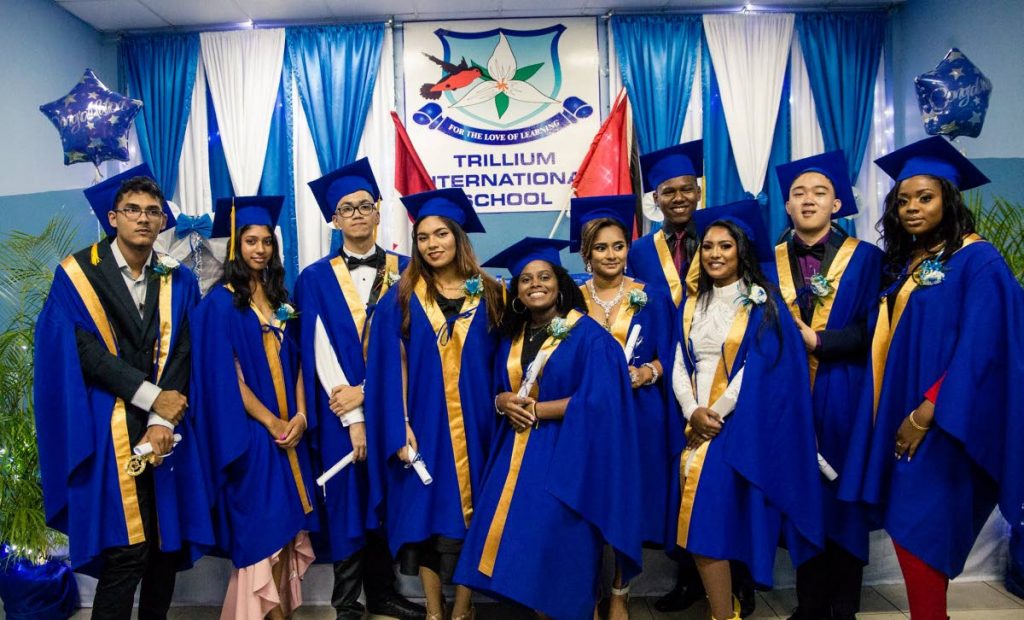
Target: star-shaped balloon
{"x":93,"y":121}
{"x":953,"y":97}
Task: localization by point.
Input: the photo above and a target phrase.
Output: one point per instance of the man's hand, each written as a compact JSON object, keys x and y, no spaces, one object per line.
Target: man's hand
{"x":345,"y":398}
{"x":170,"y":405}
{"x":357,"y":435}
{"x":162,"y":440}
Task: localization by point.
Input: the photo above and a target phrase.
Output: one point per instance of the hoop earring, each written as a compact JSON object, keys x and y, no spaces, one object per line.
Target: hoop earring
{"x":561,"y":299}
{"x":513,"y":304}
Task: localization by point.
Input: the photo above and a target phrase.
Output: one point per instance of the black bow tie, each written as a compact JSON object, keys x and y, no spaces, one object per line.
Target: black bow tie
{"x":817,"y":250}
{"x":370,"y":261}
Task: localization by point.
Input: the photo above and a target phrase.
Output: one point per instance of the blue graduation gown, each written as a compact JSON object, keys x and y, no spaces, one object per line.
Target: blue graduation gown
{"x":970,"y":329}
{"x":657,"y":416}
{"x":854,"y":274}
{"x":325,"y":290}
{"x":83,"y":437}
{"x":261,"y":494}
{"x":650,"y":261}
{"x":450,"y":405}
{"x":762,"y":467}
{"x":556,"y":494}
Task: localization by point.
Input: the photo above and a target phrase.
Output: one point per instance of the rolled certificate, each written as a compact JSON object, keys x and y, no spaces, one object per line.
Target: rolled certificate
{"x":419,"y":466}
{"x":144,"y":449}
{"x":631,"y":342}
{"x":335,"y":469}
{"x":531,"y":374}
{"x":826,"y":469}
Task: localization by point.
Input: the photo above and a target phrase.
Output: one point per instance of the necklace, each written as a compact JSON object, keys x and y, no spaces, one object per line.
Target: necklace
{"x":607,"y":306}
{"x":533,"y":332}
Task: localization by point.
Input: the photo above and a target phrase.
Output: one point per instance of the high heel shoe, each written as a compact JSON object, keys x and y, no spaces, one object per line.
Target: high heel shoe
{"x":469,"y":615}
{"x":440,"y":615}
{"x":735,"y":611}
{"x":622,"y":592}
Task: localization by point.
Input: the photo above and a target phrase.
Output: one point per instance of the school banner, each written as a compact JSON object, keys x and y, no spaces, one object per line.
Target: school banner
{"x":504,"y":109}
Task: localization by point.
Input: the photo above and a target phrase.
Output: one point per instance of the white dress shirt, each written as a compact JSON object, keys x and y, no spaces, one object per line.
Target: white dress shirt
{"x":147,"y":392}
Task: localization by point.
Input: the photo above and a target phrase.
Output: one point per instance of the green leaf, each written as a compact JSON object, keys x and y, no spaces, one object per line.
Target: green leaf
{"x":501,"y":103}
{"x":484,"y":75}
{"x":527,"y":72}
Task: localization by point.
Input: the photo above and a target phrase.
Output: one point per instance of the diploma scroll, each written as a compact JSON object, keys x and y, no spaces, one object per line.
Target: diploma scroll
{"x":631,"y":342}
{"x":145,"y":449}
{"x":531,"y":374}
{"x":335,"y":470}
{"x":419,"y":466}
{"x":142,"y":455}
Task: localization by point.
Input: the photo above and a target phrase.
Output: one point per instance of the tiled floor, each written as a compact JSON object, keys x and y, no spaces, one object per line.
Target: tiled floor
{"x":967,"y":601}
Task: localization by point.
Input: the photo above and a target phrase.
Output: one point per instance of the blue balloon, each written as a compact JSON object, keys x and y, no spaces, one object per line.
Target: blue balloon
{"x":93,"y":121}
{"x":953,"y":97}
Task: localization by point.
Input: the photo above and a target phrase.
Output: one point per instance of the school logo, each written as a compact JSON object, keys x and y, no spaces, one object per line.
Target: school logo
{"x":501,"y":86}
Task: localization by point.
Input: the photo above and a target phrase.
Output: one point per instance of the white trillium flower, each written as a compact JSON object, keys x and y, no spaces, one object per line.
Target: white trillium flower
{"x":502,"y":68}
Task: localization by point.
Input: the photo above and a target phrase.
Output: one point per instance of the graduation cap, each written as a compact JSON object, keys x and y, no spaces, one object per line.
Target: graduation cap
{"x":681,"y":160}
{"x":333,"y":186}
{"x":832,"y":165}
{"x":517,"y":256}
{"x":746,"y":214}
{"x":620,"y":208}
{"x":233,"y":214}
{"x":101,"y":196}
{"x":935,"y":157}
{"x":452,"y":203}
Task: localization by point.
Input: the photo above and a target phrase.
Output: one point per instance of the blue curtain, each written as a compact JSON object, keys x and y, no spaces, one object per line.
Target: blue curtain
{"x":842,"y":51}
{"x":161,"y":71}
{"x":657,"y":57}
{"x":279,"y":174}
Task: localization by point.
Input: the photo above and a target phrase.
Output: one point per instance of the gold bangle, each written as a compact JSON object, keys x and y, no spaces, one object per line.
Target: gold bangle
{"x":914,"y":423}
{"x":536,"y":418}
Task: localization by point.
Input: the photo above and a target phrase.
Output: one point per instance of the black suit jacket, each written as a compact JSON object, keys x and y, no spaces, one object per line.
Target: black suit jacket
{"x":136,"y":338}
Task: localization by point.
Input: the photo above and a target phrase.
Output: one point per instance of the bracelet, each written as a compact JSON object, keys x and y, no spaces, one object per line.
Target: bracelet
{"x":496,"y":408}
{"x":914,"y":423}
{"x":654,"y":372}
{"x":536,"y":418}
{"x":304,"y":418}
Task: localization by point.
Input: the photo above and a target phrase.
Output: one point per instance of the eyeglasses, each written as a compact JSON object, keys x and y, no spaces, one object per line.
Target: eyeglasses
{"x":133,"y":212}
{"x":364,"y":208}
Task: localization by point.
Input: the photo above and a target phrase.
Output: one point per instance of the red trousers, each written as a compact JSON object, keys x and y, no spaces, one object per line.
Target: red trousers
{"x":926,"y":587}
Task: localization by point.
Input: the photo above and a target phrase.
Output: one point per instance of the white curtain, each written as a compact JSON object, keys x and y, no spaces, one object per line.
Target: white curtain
{"x":806,"y":138}
{"x":312,"y":232}
{"x":193,"y":191}
{"x":872,"y":184}
{"x":244,"y":71}
{"x":749,"y":52}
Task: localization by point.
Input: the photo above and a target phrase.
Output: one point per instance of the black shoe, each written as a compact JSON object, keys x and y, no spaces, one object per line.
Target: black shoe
{"x":396,"y":606}
{"x":681,"y":597}
{"x":747,"y":598}
{"x":803,"y":613}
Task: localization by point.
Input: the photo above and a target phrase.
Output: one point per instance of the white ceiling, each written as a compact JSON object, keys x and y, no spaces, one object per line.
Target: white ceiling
{"x":123,"y":15}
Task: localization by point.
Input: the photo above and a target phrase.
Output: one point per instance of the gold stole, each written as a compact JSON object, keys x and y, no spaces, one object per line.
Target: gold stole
{"x":725,"y":366}
{"x":669,"y":268}
{"x":823,"y":306}
{"x":886,"y":329}
{"x":118,"y":419}
{"x":620,"y":326}
{"x":515,"y":378}
{"x":351,"y":295}
{"x":450,"y":351}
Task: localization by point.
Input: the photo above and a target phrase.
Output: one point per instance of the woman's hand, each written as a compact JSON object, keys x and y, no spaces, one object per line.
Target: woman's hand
{"x":345,"y":398}
{"x":908,"y":436}
{"x":706,"y":423}
{"x":357,"y":435}
{"x":810,"y":337}
{"x":517,"y":410}
{"x":294,"y":429}
{"x":410,"y":442}
{"x":640,"y":377}
{"x":277,"y":428}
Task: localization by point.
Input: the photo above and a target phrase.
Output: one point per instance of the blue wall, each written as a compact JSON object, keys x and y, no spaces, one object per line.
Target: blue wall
{"x":988,"y":32}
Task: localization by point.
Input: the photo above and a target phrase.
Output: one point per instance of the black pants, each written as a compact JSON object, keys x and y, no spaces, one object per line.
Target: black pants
{"x":372,"y":569}
{"x":124,"y":567}
{"x":829,"y":584}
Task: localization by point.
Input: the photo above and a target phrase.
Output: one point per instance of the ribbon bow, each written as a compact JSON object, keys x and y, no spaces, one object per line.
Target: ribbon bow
{"x":187,"y":224}
{"x":444,"y":333}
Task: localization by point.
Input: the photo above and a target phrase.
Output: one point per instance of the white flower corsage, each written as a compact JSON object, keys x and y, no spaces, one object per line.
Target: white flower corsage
{"x":473,"y":287}
{"x":755,"y":296}
{"x":165,"y":265}
{"x":930,"y":273}
{"x":285,"y":313}
{"x":391,"y":277}
{"x":637,"y":299}
{"x":821,"y":286}
{"x":559,"y":328}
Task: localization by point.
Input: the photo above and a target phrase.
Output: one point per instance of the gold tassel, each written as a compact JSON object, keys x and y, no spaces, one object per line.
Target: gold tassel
{"x":231,"y":241}
{"x":94,"y":254}
{"x":376,"y":226}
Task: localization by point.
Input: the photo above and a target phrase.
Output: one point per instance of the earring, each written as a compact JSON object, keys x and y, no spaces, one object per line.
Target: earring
{"x":588,"y":268}
{"x":513,"y":304}
{"x":561,"y":299}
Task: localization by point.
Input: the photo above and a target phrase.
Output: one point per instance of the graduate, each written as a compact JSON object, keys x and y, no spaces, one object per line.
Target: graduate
{"x":600,"y":230}
{"x":337,"y":295}
{"x":665,"y":259}
{"x":741,"y":378}
{"x":430,"y":397}
{"x":829,"y":281}
{"x":112,"y":377}
{"x":561,"y":484}
{"x":251,"y":411}
{"x":938,"y":437}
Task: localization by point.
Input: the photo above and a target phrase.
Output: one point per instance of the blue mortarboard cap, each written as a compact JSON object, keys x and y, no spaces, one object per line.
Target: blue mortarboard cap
{"x":747,"y":215}
{"x":833,"y":166}
{"x":681,"y":160}
{"x":249,"y":211}
{"x":935,"y":157}
{"x":452,"y":203}
{"x":333,"y":186}
{"x":101,"y":196}
{"x":620,"y":208}
{"x":521,"y":253}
